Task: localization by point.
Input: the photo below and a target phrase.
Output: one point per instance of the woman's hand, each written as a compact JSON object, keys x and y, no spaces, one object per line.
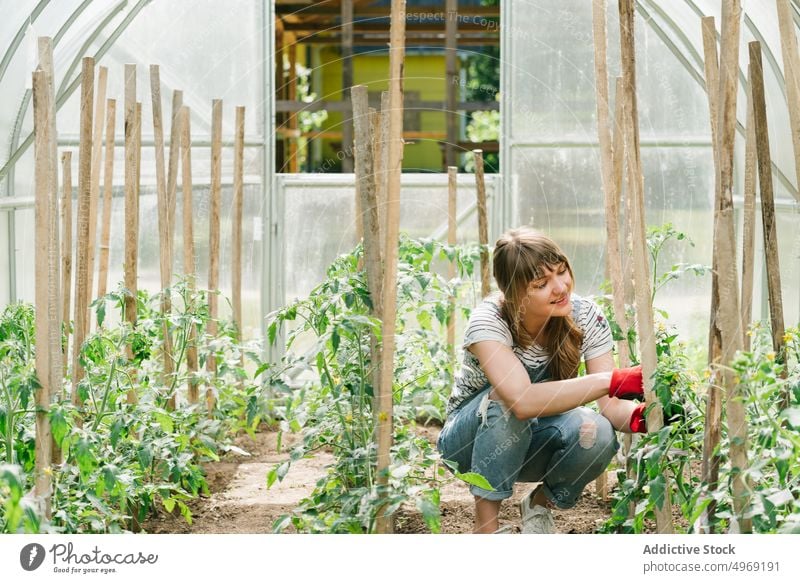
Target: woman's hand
{"x":627,"y":383}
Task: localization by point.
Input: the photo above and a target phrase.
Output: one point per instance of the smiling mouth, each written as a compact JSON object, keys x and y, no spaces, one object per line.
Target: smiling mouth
{"x":559,"y":300}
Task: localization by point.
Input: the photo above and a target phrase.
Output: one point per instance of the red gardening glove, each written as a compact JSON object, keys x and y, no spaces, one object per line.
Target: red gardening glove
{"x":627,"y":383}
{"x":638,"y":423}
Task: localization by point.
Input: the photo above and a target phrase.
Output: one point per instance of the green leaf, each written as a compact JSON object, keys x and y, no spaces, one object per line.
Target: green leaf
{"x":657,"y":490}
{"x":475,"y":479}
{"x":101,"y":313}
{"x":165,"y":421}
{"x":58,"y":425}
{"x":169,"y":504}
{"x":792,"y":415}
{"x":430,"y":513}
{"x":335,"y":339}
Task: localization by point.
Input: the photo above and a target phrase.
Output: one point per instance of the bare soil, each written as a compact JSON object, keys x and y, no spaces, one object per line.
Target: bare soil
{"x":241,"y":504}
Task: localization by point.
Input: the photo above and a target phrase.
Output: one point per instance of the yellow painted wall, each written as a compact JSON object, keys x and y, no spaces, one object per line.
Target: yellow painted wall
{"x":423,"y":73}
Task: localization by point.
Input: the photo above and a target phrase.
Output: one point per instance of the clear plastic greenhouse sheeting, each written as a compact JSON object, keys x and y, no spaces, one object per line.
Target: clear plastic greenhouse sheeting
{"x":552,"y":169}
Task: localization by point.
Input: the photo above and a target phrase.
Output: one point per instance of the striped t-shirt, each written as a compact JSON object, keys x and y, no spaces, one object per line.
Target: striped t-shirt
{"x":487,"y":323}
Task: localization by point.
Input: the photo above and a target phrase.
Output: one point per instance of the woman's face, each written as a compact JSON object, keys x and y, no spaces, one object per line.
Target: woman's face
{"x":549,"y":295}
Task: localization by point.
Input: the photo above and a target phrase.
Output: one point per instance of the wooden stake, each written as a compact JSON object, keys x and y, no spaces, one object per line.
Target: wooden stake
{"x":213,"y":245}
{"x":108,"y":187}
{"x":66,"y":243}
{"x":164,"y":234}
{"x":382,"y":164}
{"x":385,"y":523}
{"x":188,"y":245}
{"x":44,"y":170}
{"x":749,"y":221}
{"x":294,"y":163}
{"x":610,"y":189}
{"x":172,"y":167}
{"x":84,"y":203}
{"x":366,"y":192}
{"x":483,"y":222}
{"x":729,"y":313}
{"x":713,"y":426}
{"x":791,"y":67}
{"x":451,"y":80}
{"x":54,"y":346}
{"x":97,"y":155}
{"x":644,"y":307}
{"x":347,"y":81}
{"x":767,"y":206}
{"x":132,"y":156}
{"x":238,"y":208}
{"x":452,"y":192}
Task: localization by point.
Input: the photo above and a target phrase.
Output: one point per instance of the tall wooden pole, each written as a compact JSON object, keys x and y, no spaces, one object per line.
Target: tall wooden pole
{"x":713,"y":426}
{"x":132,"y":146}
{"x":47,"y":309}
{"x":791,"y":68}
{"x":385,"y":523}
{"x":451,"y":80}
{"x":382,"y":166}
{"x":45,"y":47}
{"x":749,"y":220}
{"x":366,"y":191}
{"x":483,"y":222}
{"x":643,"y":294}
{"x":66,"y":243}
{"x":452,"y":201}
{"x":728,"y":318}
{"x":172,"y":166}
{"x":238,"y":209}
{"x":164,"y":232}
{"x":188,"y":244}
{"x":108,"y":191}
{"x":97,"y":157}
{"x":84,"y":202}
{"x":767,"y":206}
{"x":610,"y":189}
{"x":213,"y":245}
{"x":294,"y":163}
{"x":347,"y":81}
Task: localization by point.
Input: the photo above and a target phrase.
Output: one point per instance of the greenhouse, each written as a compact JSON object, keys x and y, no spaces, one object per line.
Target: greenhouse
{"x":400,"y":266}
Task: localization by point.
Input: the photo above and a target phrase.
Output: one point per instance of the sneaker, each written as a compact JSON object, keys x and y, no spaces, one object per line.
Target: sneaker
{"x":505,"y":529}
{"x":535,"y":519}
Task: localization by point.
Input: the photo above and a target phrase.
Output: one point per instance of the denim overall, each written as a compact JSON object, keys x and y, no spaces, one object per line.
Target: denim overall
{"x":565,"y":451}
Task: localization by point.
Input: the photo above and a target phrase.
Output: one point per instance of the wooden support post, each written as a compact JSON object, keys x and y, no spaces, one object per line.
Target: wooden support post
{"x":749,"y":220}
{"x":483,"y":223}
{"x":451,"y":80}
{"x":213,"y":242}
{"x":108,"y":191}
{"x":54,"y":346}
{"x":188,"y":245}
{"x":347,"y":83}
{"x":97,"y":156}
{"x":643,"y":294}
{"x":452,"y":201}
{"x":172,"y":166}
{"x":238,"y":207}
{"x":791,"y":68}
{"x":294,"y":163}
{"x":47,"y":308}
{"x":164,"y":233}
{"x":713,"y":426}
{"x":66,"y":244}
{"x":132,"y":154}
{"x":768,"y":207}
{"x":280,"y":91}
{"x":382,"y":166}
{"x":366,"y":192}
{"x":610,"y":190}
{"x":728,"y":319}
{"x":84,"y":202}
{"x":385,"y":523}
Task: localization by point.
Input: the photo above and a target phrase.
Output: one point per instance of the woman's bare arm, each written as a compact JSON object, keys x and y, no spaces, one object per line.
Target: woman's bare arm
{"x":526,"y":400}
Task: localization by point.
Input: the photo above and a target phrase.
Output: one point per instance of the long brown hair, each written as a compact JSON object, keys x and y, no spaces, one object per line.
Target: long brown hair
{"x":519,"y":258}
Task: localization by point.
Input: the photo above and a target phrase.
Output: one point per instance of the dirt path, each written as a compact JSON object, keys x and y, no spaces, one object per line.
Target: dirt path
{"x":240,"y":502}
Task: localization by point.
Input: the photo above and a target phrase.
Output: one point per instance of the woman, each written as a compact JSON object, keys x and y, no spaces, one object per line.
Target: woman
{"x":515,"y":413}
